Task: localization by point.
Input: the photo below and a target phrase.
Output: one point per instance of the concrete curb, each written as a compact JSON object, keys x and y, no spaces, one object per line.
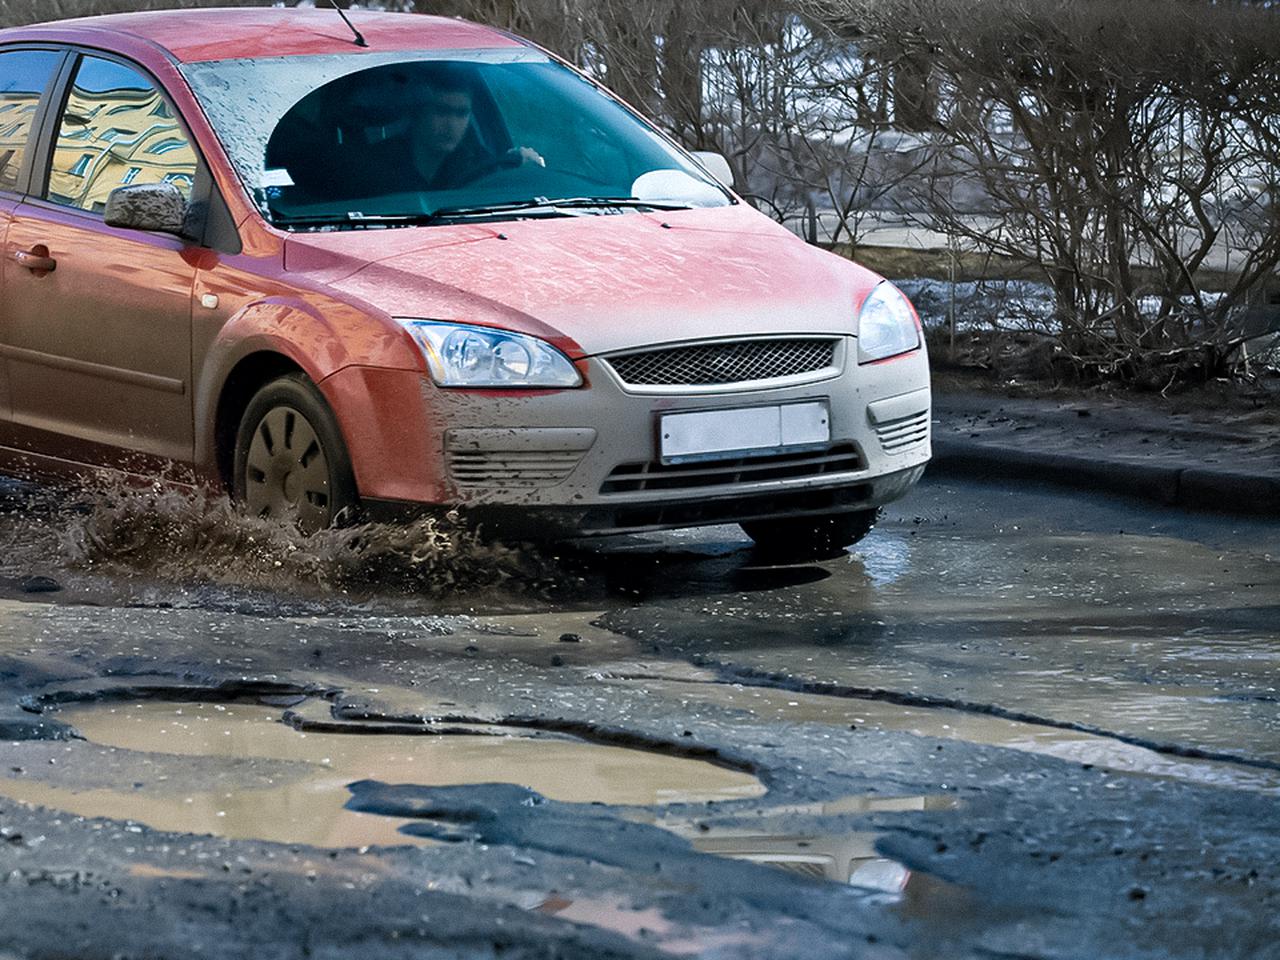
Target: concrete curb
{"x":1191,"y":486}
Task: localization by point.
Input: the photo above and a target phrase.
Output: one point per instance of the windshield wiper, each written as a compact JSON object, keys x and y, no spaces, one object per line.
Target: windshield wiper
{"x":564,"y":203}
{"x":541,"y":206}
{"x":352,"y":219}
{"x":635,"y":202}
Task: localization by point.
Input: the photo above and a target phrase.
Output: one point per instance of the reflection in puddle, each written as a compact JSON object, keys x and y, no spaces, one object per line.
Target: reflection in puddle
{"x":305,"y":804}
{"x":848,"y":858}
{"x":911,"y":896}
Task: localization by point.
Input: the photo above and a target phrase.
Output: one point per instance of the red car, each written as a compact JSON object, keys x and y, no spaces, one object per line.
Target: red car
{"x":409,"y":261}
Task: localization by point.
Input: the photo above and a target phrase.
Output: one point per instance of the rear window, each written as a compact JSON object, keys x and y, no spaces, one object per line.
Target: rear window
{"x":24,"y":75}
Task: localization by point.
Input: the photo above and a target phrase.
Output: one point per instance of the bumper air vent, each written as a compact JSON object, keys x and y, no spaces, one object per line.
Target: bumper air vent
{"x":898,"y":435}
{"x":635,"y":477}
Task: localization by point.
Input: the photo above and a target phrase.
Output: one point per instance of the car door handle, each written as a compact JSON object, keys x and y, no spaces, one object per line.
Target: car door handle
{"x":36,"y":259}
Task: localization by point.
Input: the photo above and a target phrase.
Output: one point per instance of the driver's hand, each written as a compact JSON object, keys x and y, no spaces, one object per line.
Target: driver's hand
{"x":520,"y":156}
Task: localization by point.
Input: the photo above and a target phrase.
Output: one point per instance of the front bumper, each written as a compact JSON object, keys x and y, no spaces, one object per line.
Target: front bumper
{"x":587,"y":461}
{"x":537,"y":522}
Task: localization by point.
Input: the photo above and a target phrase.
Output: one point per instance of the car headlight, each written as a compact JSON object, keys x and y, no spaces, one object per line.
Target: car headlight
{"x":459,"y":355}
{"x":886,"y":324}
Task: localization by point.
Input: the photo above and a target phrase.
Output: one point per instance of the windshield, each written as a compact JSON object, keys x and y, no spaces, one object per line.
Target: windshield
{"x":380,"y":139}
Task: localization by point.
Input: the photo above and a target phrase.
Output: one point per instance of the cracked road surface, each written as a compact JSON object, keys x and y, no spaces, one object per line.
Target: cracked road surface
{"x":1010,"y":723}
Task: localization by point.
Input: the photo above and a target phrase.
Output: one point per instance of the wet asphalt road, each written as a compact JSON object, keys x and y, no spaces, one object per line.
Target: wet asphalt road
{"x":1060,"y":714}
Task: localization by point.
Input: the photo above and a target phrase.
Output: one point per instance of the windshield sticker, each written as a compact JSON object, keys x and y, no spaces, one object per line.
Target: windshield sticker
{"x":275,"y":177}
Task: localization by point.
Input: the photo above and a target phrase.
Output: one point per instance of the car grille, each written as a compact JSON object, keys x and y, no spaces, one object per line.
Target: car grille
{"x":634,"y":477}
{"x":814,"y":869}
{"x":897,"y":435}
{"x":716,"y":364}
{"x":512,"y":468}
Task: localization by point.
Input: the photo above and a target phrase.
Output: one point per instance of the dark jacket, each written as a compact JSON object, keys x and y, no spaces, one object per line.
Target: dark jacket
{"x":351,"y":170}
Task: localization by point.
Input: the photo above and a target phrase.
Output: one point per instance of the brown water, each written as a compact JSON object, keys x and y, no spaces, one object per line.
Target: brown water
{"x":308,"y":808}
{"x":849,"y":859}
{"x":312,"y":770}
{"x":649,"y":926}
{"x":912,"y":896}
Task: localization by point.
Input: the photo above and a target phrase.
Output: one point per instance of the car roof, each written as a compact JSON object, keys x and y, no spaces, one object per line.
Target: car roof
{"x":190,"y":36}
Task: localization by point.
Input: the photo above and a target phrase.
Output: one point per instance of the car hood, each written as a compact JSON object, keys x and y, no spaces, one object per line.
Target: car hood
{"x":596,"y":284}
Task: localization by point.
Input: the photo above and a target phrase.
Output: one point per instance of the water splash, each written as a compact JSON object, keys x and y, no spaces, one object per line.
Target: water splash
{"x":178,"y":534}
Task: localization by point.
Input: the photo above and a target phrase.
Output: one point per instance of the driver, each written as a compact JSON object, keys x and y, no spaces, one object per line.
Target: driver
{"x":442,"y":148}
{"x":388,"y":130}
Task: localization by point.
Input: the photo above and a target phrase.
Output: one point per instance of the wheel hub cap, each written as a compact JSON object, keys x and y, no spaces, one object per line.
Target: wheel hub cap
{"x":287,"y":472}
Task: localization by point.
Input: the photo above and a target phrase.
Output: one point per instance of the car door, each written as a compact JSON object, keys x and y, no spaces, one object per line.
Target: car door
{"x":25,"y":75}
{"x":95,"y":322}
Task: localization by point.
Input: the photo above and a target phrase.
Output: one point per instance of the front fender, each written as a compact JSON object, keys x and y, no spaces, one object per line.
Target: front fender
{"x":319,"y":339}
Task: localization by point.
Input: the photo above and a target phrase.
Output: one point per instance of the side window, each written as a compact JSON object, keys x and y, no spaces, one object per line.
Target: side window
{"x":24,"y":74}
{"x":116,"y":129}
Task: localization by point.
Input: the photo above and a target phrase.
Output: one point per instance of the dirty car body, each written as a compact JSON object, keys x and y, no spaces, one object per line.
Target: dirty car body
{"x":443,"y":269}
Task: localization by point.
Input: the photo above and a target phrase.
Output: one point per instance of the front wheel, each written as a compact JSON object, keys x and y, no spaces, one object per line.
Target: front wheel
{"x":810,"y":538}
{"x":291,"y":462}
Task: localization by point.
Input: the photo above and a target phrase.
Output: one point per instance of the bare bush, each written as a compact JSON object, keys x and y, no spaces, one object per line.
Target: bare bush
{"x":796,"y":107}
{"x":1123,"y":149}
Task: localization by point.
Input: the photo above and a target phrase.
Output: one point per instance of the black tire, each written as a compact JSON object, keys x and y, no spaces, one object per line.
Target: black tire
{"x":291,"y":461}
{"x":810,"y":538}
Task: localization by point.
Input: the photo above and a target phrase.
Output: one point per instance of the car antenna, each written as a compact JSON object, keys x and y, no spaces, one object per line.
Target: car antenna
{"x":360,"y":40}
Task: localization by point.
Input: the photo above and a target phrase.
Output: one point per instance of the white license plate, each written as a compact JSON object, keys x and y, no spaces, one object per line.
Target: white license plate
{"x":747,"y":431}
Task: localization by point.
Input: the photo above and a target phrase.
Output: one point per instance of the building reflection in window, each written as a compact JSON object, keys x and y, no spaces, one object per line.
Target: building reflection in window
{"x":115,"y":130}
{"x":24,"y":74}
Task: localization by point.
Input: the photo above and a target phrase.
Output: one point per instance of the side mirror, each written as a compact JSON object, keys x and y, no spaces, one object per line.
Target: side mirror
{"x":716,"y":165}
{"x":148,"y":206}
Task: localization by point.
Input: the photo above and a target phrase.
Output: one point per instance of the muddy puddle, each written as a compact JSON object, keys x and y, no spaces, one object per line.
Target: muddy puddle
{"x":848,"y":859}
{"x":303,"y":797}
{"x":307,"y":776}
{"x":300,"y":788}
{"x":908,"y":894}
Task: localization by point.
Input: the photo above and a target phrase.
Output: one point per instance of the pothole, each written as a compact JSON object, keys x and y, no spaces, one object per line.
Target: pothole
{"x":287,"y":785}
{"x":306,"y":774}
{"x":235,"y":770}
